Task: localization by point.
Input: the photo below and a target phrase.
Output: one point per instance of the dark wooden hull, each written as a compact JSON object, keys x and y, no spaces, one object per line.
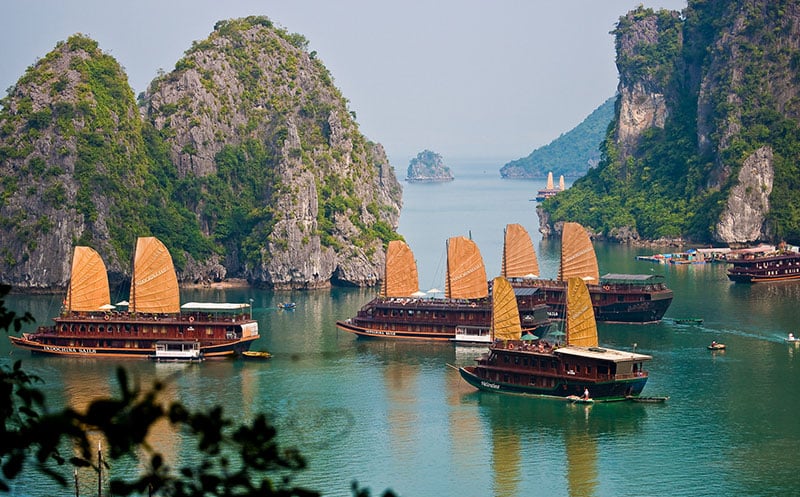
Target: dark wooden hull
{"x":551,"y":375}
{"x":127,"y":336}
{"x":637,"y":304}
{"x":433,"y":319}
{"x":600,"y":392}
{"x":784,"y":267}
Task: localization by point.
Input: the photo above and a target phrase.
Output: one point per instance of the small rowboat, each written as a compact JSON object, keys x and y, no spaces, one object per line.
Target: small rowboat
{"x":287,"y":305}
{"x":256,"y":354}
{"x":716,"y":346}
{"x":792,"y":339}
{"x":647,"y":400}
{"x":579,"y":400}
{"x":684,"y":320}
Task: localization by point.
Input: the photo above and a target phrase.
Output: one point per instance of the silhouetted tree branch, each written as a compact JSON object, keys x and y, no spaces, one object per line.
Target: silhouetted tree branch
{"x":240,"y":461}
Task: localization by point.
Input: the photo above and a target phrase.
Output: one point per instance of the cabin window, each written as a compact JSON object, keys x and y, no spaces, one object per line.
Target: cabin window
{"x":588,"y":370}
{"x":516,"y":360}
{"x":505,"y":358}
{"x":505,"y":378}
{"x":91,"y":329}
{"x":525,"y":362}
{"x":578,"y":368}
{"x":102,"y":328}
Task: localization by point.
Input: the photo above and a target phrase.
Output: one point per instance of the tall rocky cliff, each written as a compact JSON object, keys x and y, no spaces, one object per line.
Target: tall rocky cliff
{"x":705,"y":143}
{"x":245,"y":160}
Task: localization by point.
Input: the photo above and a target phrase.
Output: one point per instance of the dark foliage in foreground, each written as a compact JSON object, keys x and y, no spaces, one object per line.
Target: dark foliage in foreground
{"x":235,"y":460}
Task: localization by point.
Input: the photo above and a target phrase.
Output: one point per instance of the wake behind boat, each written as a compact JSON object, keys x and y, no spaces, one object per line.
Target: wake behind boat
{"x":153,"y":321}
{"x":578,"y":369}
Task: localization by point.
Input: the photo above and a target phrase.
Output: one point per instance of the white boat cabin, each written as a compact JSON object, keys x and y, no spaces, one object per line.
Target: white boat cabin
{"x":178,"y":351}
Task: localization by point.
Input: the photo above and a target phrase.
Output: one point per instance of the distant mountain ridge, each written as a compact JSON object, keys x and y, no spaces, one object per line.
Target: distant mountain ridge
{"x":571,"y":154}
{"x":244,"y":160}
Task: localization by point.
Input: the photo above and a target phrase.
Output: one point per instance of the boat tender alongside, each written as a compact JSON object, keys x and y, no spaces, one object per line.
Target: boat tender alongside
{"x":154,"y":319}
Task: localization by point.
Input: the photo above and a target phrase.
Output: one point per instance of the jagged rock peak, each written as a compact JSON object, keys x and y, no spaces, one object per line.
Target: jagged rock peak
{"x":252,"y":97}
{"x":70,"y":144}
{"x":704,"y":144}
{"x":244,"y":160}
{"x":428,"y":166}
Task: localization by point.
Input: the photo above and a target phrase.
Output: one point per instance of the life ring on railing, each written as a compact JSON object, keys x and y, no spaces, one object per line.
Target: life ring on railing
{"x":606,"y":287}
{"x":510,"y":346}
{"x":191,"y":319}
{"x":106,"y":317}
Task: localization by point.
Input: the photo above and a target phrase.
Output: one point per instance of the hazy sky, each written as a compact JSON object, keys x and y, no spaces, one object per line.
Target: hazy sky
{"x":469,"y":79}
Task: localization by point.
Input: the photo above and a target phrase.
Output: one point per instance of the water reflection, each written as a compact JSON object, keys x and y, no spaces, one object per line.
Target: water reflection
{"x":538,"y":443}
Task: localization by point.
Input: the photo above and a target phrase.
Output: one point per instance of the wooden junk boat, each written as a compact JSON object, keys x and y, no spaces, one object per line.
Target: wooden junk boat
{"x":550,"y":190}
{"x":464,"y":315}
{"x":752,"y":266}
{"x":616,"y":298}
{"x":90,"y":326}
{"x":545,"y":369}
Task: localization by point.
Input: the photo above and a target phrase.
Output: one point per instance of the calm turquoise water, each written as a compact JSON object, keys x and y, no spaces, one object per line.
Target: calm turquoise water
{"x":393,"y":415}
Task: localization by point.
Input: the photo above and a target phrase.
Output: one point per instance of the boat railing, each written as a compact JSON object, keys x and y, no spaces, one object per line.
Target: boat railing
{"x":141,"y":316}
{"x":402,"y":302}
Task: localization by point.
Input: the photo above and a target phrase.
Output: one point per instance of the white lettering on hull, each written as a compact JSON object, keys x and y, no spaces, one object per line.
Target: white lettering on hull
{"x":68,"y":350}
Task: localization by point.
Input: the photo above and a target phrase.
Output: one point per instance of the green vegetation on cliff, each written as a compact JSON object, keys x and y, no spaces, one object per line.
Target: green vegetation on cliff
{"x":729,"y":79}
{"x":245,"y":156}
{"x":571,"y":154}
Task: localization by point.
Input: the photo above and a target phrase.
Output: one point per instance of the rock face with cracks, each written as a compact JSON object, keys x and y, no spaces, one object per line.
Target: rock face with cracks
{"x":244,"y":160}
{"x":703,"y":146}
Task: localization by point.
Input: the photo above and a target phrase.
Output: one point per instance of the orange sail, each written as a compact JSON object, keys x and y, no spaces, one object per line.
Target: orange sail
{"x":88,"y":284}
{"x":581,"y":326}
{"x":466,"y":274}
{"x":400,"y":277}
{"x":550,"y":180}
{"x":519,"y":257}
{"x":505,"y":313}
{"x":561,"y":183}
{"x":577,"y":255}
{"x":154,"y":286}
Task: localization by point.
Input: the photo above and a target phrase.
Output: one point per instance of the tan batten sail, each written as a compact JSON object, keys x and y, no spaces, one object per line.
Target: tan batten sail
{"x":561,"y":182}
{"x":505,"y":314}
{"x":154,"y":286}
{"x":581,"y":327}
{"x":550,"y":180}
{"x":88,"y":283}
{"x":519,"y":257}
{"x":400,"y":277}
{"x":466,"y":274}
{"x":577,"y":255}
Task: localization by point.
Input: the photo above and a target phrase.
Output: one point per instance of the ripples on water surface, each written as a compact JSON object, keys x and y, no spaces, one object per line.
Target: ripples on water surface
{"x":393,"y":415}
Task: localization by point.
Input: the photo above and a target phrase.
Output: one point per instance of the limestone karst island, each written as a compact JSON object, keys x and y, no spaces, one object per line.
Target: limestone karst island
{"x":244,"y":160}
{"x":428,"y":166}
